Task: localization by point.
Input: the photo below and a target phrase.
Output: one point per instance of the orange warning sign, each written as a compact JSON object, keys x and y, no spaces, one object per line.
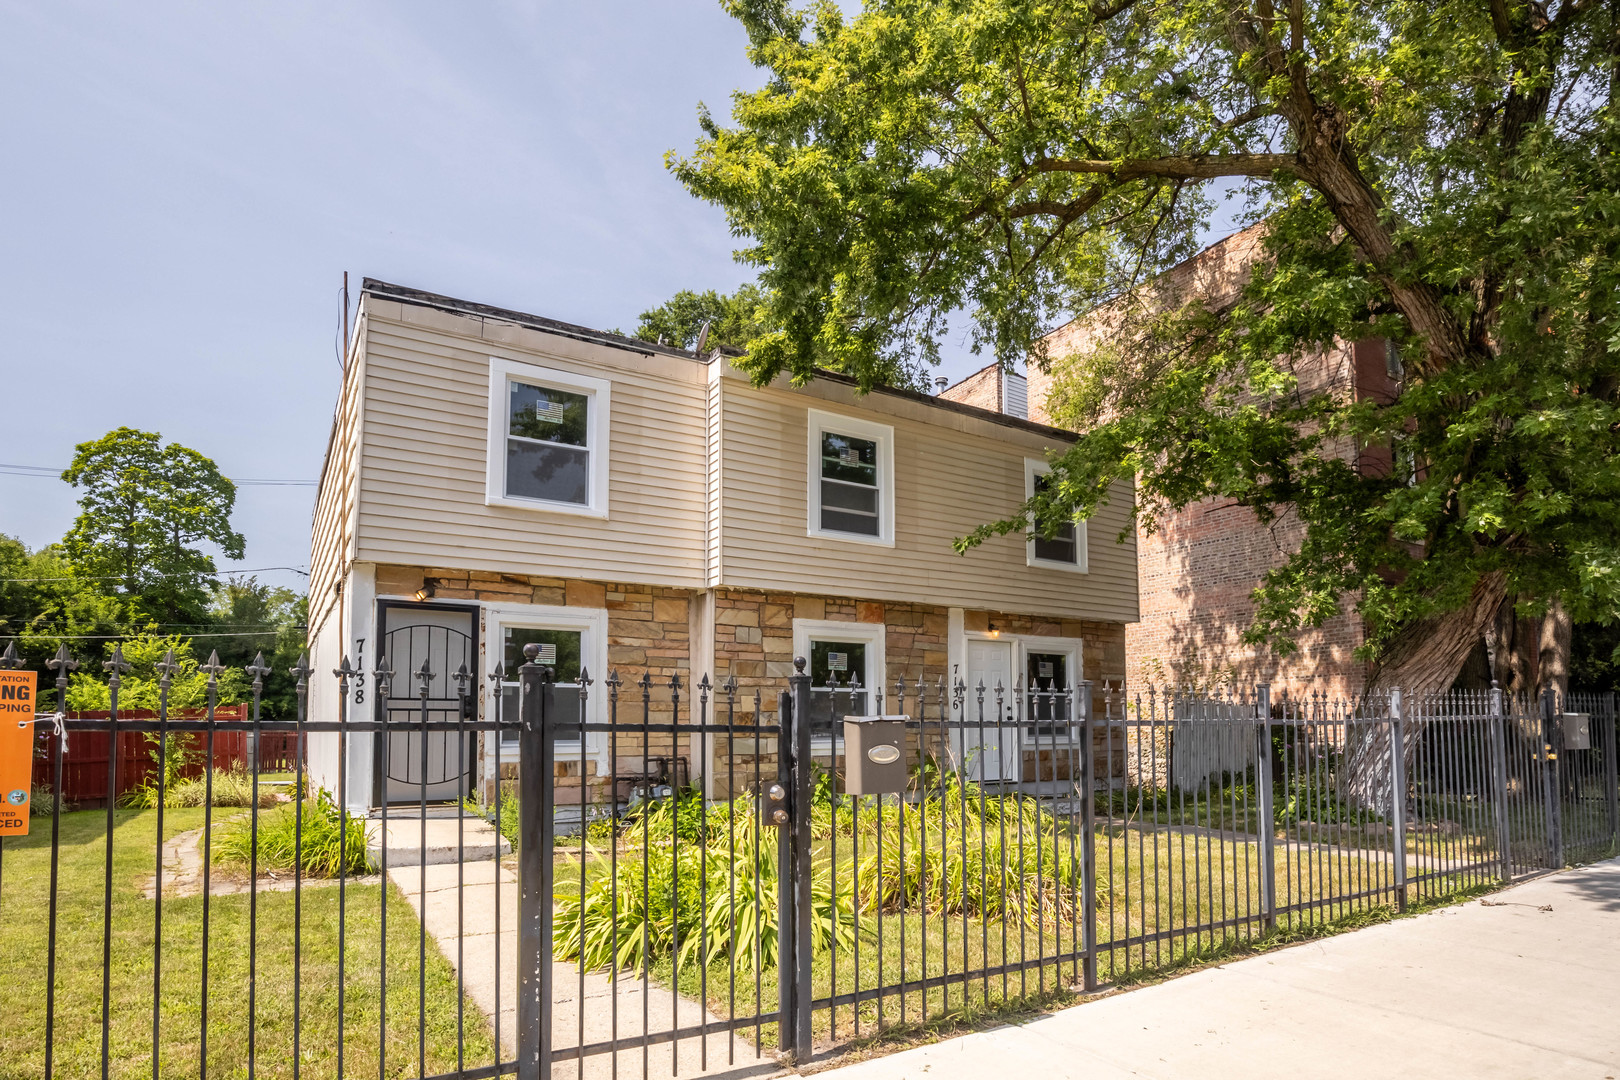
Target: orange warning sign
{"x":16,"y":750}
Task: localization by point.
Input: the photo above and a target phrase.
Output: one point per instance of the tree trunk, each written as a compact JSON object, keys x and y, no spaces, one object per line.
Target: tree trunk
{"x":1557,"y":634}
{"x":1426,"y":658}
{"x":1428,"y":655}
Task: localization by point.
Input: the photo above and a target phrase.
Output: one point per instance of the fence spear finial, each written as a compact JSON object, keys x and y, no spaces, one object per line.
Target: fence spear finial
{"x":382,"y":672}
{"x":258,"y":669}
{"x":62,"y":663}
{"x":9,"y":660}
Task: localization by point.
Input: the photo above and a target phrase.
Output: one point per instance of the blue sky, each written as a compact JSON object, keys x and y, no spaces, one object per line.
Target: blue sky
{"x":185,"y":185}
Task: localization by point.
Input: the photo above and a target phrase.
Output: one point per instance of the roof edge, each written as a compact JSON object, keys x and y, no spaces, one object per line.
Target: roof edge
{"x":384,"y":290}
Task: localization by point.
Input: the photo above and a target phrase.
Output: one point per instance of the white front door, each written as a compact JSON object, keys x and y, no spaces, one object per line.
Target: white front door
{"x":989,"y":733}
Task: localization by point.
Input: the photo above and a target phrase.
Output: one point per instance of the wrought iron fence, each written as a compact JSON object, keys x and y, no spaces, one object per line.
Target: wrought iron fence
{"x":680,"y":879}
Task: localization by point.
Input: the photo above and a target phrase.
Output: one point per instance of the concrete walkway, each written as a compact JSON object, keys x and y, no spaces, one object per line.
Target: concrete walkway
{"x":1493,"y":988}
{"x":471,"y":924}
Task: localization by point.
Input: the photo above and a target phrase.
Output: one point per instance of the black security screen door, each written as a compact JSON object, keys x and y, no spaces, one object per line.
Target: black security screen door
{"x":443,"y":638}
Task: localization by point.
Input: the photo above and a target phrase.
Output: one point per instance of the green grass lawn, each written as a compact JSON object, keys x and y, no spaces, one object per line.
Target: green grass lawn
{"x":24,"y":898}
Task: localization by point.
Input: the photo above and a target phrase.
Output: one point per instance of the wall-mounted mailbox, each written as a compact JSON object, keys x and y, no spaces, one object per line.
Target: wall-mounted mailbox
{"x":874,"y":755}
{"x":1577,"y":731}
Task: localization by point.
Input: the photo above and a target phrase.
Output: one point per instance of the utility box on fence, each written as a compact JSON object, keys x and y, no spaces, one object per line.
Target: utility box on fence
{"x":1577,"y":731}
{"x":874,"y":755}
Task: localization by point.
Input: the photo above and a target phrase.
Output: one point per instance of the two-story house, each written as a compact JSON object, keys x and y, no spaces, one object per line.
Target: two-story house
{"x":495,"y":479}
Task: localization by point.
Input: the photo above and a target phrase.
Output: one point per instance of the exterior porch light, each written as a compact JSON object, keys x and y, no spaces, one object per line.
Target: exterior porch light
{"x":429,"y":587}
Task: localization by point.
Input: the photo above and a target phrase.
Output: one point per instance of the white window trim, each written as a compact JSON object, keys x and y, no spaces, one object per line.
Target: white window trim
{"x":501,"y":373}
{"x":1082,"y":545}
{"x":883,"y":435}
{"x":592,"y":622}
{"x":872,"y":635}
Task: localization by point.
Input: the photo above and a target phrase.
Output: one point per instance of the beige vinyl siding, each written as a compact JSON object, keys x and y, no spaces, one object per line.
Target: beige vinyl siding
{"x":423,"y":468}
{"x":952,"y":472}
{"x":715,"y":474}
{"x":332,"y":527}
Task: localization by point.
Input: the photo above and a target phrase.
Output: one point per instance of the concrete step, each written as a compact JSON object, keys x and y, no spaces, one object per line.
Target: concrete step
{"x":448,"y":839}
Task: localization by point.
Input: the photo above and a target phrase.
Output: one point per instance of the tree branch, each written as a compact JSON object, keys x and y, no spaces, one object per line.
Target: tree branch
{"x":1249,"y":116}
{"x":1191,"y":167}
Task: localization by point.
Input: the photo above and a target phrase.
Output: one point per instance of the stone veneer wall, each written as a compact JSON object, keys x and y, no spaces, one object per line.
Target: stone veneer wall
{"x":650,"y":631}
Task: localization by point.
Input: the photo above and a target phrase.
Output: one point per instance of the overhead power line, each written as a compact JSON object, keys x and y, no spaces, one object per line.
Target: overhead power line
{"x":47,"y":636}
{"x":43,"y":471}
{"x":120,"y":577}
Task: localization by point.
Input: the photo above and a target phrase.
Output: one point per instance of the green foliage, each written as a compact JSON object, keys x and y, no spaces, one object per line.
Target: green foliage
{"x":42,"y":803}
{"x":952,"y":850}
{"x":325,"y":846}
{"x":504,"y":815}
{"x":231,"y":787}
{"x":139,"y":689}
{"x":961,"y":851}
{"x":734,"y":319}
{"x":1443,"y":175}
{"x":146,"y":505}
{"x":1595,"y":660}
{"x":624,"y":925}
{"x":43,"y":602}
{"x":242,"y":605}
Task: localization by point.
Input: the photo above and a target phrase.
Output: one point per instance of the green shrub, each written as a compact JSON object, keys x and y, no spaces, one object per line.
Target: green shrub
{"x":43,"y":801}
{"x":625,"y":925}
{"x":960,"y":847}
{"x":233,"y":787}
{"x":326,"y":847}
{"x":960,"y":851}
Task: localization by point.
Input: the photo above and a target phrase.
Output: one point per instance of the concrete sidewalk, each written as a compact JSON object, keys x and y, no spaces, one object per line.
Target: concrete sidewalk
{"x":1499,"y":988}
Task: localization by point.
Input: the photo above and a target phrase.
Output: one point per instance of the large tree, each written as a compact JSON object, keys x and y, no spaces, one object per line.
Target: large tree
{"x":146,"y":506}
{"x":1440,"y":173}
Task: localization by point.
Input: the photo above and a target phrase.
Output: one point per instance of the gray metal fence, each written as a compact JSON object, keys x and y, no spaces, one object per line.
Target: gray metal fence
{"x":681,"y":879}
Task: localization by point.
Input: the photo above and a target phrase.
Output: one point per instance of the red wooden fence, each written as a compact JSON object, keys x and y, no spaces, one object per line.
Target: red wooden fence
{"x":84,"y":770}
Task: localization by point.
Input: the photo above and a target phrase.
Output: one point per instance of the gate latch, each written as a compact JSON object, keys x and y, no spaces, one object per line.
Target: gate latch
{"x":777,"y":795}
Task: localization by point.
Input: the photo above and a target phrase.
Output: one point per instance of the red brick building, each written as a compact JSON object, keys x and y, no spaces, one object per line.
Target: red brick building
{"x":1196,"y":573}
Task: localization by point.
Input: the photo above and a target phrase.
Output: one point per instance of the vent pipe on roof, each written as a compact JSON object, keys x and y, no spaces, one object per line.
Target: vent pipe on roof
{"x":940,"y":383}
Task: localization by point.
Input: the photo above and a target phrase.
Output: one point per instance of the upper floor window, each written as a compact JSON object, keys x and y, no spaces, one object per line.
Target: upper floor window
{"x":1065,"y":548}
{"x":851,"y":493}
{"x":547,"y":439}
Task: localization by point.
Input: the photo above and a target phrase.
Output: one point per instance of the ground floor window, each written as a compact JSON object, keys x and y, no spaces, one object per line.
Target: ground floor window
{"x":1049,"y":708}
{"x":843,"y":656}
{"x":573,"y":643}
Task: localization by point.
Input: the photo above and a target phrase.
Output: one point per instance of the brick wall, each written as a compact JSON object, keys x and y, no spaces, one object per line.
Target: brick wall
{"x":982,"y":389}
{"x":754,"y":636}
{"x":1196,"y":576}
{"x":1103,"y":656}
{"x":1197,"y":572}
